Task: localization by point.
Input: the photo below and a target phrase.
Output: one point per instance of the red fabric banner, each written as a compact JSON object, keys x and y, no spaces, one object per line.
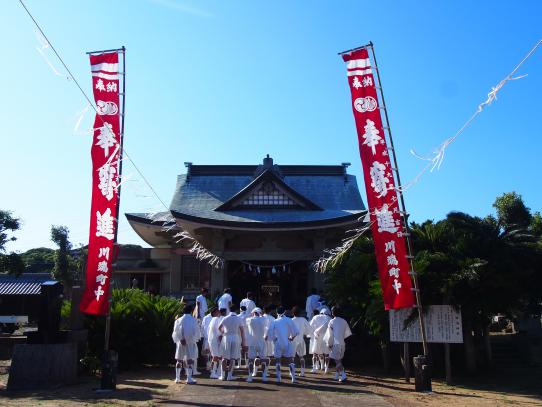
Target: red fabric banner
{"x":105,"y":153}
{"x":387,"y":228}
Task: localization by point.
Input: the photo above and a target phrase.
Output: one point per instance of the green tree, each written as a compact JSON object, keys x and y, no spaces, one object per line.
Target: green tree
{"x":9,"y":262}
{"x":511,"y":211}
{"x":62,"y":270}
{"x":485,"y":266}
{"x":39,"y":260}
{"x":536,"y":225}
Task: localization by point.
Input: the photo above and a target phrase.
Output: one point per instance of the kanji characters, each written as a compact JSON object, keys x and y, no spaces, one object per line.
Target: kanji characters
{"x":384,"y":219}
{"x":392,"y":260}
{"x":99,"y":292}
{"x":396,"y":285}
{"x":356,"y":83}
{"x":100,"y":85}
{"x":104,"y":224}
{"x":379,"y":180}
{"x":371,"y":135}
{"x":100,"y":278}
{"x":394,"y":272}
{"x":106,"y":138}
{"x":107,"y":184}
{"x":104,"y":252}
{"x":111,"y":87}
{"x":390,"y":246}
{"x":367,"y":81}
{"x":102,"y":266}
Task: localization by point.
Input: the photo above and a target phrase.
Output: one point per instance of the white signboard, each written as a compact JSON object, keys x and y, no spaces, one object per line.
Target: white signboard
{"x":13,"y":319}
{"x":442,"y":325}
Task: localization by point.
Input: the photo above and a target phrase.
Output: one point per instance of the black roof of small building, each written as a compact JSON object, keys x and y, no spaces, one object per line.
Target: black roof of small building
{"x":326,"y":194}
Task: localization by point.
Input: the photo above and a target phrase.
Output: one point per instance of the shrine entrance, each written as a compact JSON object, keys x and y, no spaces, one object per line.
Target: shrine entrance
{"x":271,"y":282}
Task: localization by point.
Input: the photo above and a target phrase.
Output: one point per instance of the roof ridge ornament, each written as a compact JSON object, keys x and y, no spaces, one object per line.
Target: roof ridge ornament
{"x":268,"y":165}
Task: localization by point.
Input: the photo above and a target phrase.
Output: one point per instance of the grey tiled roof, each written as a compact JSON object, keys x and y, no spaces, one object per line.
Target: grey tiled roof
{"x":25,"y":284}
{"x":337,"y":195}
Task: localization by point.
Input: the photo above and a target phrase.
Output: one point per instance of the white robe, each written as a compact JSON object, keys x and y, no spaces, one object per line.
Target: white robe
{"x":319,"y":326}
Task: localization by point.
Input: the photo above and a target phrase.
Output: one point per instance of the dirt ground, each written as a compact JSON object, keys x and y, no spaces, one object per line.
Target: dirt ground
{"x":153,"y":387}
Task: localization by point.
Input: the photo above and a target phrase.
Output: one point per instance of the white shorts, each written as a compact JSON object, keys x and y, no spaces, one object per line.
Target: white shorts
{"x":318,"y":346}
{"x":337,"y":352}
{"x":286,"y":351}
{"x":215,"y":348}
{"x":231,"y":347}
{"x":269,"y":349}
{"x":257,"y":350}
{"x":188,"y":351}
{"x":300,"y":347}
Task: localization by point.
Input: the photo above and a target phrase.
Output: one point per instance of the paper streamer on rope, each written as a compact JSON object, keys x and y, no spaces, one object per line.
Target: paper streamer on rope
{"x":44,"y":45}
{"x":435,"y":161}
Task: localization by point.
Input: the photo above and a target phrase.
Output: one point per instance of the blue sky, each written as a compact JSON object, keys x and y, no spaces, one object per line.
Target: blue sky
{"x":226,"y":82}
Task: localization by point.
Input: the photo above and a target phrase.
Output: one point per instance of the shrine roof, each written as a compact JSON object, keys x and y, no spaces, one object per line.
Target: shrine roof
{"x":327,"y":193}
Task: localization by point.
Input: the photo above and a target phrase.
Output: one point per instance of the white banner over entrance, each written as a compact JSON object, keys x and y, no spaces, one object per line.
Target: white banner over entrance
{"x":442,"y":325}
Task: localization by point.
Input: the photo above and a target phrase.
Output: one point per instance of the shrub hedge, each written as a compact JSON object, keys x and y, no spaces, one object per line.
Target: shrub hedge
{"x":141,"y":326}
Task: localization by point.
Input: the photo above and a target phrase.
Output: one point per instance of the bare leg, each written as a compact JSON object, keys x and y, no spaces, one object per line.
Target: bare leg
{"x":302,"y":364}
{"x":250,"y":369}
{"x":178,"y":367}
{"x":189,"y":371}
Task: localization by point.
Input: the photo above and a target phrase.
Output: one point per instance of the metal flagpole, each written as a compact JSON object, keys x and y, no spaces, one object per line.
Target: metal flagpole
{"x":108,"y":381}
{"x":421,"y":366}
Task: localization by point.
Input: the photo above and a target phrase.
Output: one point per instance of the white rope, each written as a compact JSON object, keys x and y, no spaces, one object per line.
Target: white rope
{"x":436,"y":160}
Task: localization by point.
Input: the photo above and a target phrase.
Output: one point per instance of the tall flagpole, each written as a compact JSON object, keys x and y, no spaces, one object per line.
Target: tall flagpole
{"x":423,"y":365}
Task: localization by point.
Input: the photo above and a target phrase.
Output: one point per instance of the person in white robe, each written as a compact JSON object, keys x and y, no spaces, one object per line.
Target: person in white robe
{"x":269,"y":347}
{"x":318,"y":349}
{"x":249,"y":303}
{"x":305,"y":330}
{"x":312,"y":304}
{"x":283,"y":332}
{"x":225,"y":300}
{"x":231,"y":328}
{"x":257,"y":357}
{"x":186,"y":333}
{"x":244,"y":315}
{"x":214,"y":339}
{"x":205,"y":333}
{"x":337,"y":331}
{"x":201,"y":304}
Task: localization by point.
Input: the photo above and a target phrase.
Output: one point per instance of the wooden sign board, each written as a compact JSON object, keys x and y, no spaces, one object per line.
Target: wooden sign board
{"x":442,"y":325}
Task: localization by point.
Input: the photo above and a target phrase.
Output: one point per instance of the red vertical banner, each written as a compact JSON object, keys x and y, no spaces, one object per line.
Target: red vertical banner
{"x":386,"y":224}
{"x":105,"y":153}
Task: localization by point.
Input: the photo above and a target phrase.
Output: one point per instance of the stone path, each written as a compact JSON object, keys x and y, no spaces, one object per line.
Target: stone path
{"x":315,"y":390}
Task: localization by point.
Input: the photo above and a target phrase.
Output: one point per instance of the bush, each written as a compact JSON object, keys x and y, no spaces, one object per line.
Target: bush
{"x":141,"y":326}
{"x":65,"y":312}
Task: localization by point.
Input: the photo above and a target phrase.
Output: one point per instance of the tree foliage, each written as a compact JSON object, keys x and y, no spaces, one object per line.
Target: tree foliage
{"x":9,"y":262}
{"x":38,"y":260}
{"x":485,"y":266}
{"x":7,"y":224}
{"x":64,"y":265}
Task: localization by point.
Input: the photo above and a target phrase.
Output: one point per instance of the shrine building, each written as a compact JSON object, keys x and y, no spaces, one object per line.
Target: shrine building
{"x":267,"y":222}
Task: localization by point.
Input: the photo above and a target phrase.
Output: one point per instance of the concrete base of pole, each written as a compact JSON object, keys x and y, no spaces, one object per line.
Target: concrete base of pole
{"x":422,"y":373}
{"x":109,"y":371}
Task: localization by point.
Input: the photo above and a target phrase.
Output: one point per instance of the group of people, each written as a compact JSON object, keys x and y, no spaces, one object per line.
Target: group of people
{"x":258,"y":338}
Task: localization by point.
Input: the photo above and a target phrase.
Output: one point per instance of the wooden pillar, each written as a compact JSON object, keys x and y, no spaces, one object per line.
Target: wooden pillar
{"x":406,"y":361}
{"x":448,"y":363}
